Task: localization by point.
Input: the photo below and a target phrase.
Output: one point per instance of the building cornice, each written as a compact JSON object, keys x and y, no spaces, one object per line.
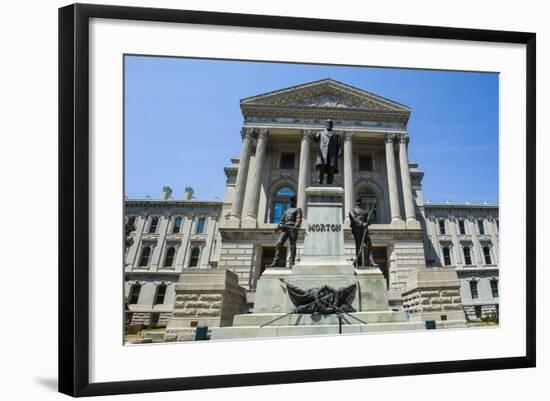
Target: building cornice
{"x":172,"y":203}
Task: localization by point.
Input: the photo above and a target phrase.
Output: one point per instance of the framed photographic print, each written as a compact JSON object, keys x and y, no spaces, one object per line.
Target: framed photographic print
{"x":254,"y":199}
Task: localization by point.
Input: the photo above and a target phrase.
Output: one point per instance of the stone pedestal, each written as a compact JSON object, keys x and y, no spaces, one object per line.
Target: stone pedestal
{"x":434,"y":294}
{"x":323,"y":263}
{"x":204,"y":297}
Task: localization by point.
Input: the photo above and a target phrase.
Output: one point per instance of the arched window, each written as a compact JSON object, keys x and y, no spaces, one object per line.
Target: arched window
{"x":280,"y":203}
{"x":447,"y":256}
{"x":194,"y":260}
{"x":159,"y":296}
{"x":145,"y":254}
{"x":134,"y":294}
{"x":369,"y":201}
{"x":467,"y":255}
{"x":487,"y":254}
{"x":169,"y":259}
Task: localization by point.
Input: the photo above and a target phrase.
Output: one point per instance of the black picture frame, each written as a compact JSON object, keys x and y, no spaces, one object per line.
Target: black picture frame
{"x":74,"y":198}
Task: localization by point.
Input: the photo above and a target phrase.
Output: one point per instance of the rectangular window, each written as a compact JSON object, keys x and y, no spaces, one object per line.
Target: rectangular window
{"x":461,"y":227}
{"x":467,"y":256}
{"x":447,"y":256}
{"x":365,"y":163}
{"x":477,"y":310}
{"x":145,"y":253}
{"x":481,"y":227}
{"x":134,"y":294}
{"x":201,"y":223}
{"x":154,"y":224}
{"x":441,"y":226}
{"x":132,"y":222}
{"x":473,"y":289}
{"x":487,"y":255}
{"x":177,"y":225}
{"x":494,"y":288}
{"x":498,"y":228}
{"x":161,"y":292}
{"x":287,"y":161}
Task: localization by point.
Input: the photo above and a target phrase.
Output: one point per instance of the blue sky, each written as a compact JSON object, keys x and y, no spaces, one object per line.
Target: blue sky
{"x":183,"y":122}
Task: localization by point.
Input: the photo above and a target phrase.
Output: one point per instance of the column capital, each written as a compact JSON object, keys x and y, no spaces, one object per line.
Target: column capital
{"x":306,"y":133}
{"x":403,"y":138}
{"x":262,"y":133}
{"x":389,"y":137}
{"x":247,"y":133}
{"x":347,"y":135}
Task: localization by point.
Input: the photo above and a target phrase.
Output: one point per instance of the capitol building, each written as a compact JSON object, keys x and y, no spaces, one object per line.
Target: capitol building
{"x":195,"y":262}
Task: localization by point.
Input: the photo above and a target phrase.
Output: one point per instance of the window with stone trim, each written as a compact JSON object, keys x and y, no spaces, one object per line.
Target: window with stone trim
{"x":201,"y":225}
{"x":442,"y":227}
{"x":370,"y":202}
{"x":467,"y":255}
{"x":145,"y":256}
{"x":287,"y":161}
{"x":131,"y":222}
{"x":497,"y":224}
{"x":177,"y":225}
{"x":487,"y":254}
{"x":473,"y":289}
{"x":447,"y":255}
{"x":194,"y":259}
{"x":153,"y":225}
{"x":160,"y":294}
{"x":133,"y":298}
{"x":481,"y":227}
{"x":494,"y":288}
{"x":280,"y":203}
{"x":365,"y":163}
{"x":461,"y":227}
{"x":169,"y":258}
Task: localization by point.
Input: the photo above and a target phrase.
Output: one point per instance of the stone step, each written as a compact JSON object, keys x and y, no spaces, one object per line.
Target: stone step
{"x":223,"y":333}
{"x":298,"y":319}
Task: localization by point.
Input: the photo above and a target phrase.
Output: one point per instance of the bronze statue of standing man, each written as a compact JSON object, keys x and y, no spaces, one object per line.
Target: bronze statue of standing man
{"x":329,"y":151}
{"x":359,"y":222}
{"x":289,"y":225}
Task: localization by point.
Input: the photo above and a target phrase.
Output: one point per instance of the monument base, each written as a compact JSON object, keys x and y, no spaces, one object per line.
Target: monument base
{"x":307,"y":325}
{"x":273,"y":308}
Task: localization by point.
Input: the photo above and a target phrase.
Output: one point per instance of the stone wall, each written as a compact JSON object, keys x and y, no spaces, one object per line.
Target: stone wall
{"x":145,"y":317}
{"x":238,"y":257}
{"x":486,"y":310}
{"x":204,"y":298}
{"x":434,"y":294}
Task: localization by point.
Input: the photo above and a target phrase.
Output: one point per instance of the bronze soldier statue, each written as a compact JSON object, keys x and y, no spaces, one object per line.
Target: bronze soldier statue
{"x":329,"y":151}
{"x":359,"y":222}
{"x":289,"y":225}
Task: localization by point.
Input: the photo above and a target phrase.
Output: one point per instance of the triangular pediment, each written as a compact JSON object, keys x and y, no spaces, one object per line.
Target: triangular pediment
{"x":325,"y":94}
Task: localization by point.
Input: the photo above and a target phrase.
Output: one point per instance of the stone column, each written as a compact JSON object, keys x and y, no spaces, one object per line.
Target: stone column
{"x":251,"y":206}
{"x":348,"y":174}
{"x":406,"y":179}
{"x":303,"y":174}
{"x":240,"y":185}
{"x":392,"y":179}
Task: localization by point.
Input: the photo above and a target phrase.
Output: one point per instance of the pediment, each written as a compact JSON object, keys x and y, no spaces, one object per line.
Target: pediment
{"x":324,"y":94}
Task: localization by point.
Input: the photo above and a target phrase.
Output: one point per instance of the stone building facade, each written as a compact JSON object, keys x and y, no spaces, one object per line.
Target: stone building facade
{"x":277,"y":161}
